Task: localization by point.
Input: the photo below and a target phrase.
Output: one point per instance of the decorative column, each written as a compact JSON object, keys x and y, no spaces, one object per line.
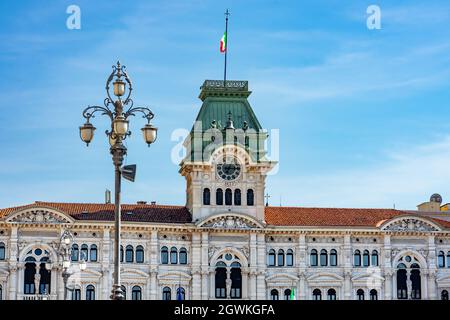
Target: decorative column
{"x":196,"y":266}
{"x":347,"y":267}
{"x":13,"y":265}
{"x":205,"y":265}
{"x":301,"y":259}
{"x":106,"y":265}
{"x":154,"y":254}
{"x":431,"y":284}
{"x":244,"y":275}
{"x":153,"y":288}
{"x":388,"y":271}
{"x":253,"y":261}
{"x":388,"y":284}
{"x":261,"y":264}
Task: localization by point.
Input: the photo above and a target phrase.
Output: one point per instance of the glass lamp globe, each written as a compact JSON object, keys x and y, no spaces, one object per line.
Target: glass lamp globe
{"x":66,"y":240}
{"x":150,"y":133}
{"x":120,"y":126}
{"x":87,"y":132}
{"x":119,"y":88}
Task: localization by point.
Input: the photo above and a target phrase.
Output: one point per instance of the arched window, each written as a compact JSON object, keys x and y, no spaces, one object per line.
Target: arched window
{"x":173,"y":255}
{"x":121,"y":253}
{"x":166,"y":294}
{"x":313,"y":258}
{"x":290,"y":258}
{"x":220,"y":280}
{"x":448,"y":259}
{"x":402,"y":289}
{"x":76,"y":294}
{"x":75,"y":252}
{"x":280,"y":257}
{"x":183,"y":256}
{"x":90,"y":292}
{"x":93,"y":253}
{"x":357,"y":258}
{"x":415,"y":281}
{"x":228,"y":197}
{"x":360,"y":294}
{"x":271,"y":258}
{"x":206,"y":197}
{"x":373,"y":294}
{"x":2,"y":251}
{"x":274,"y":294}
{"x":140,"y":254}
{"x":181,"y":294}
{"x":136,"y":293}
{"x":366,"y":258}
{"x":124,"y":292}
{"x":30,"y":271}
{"x":441,"y":259}
{"x":129,"y":253}
{"x":164,"y":255}
{"x":236,"y":281}
{"x":219,"y":197}
{"x":250,"y":197}
{"x":317,"y":294}
{"x":237,"y":197}
{"x":331,"y":294}
{"x":84,"y":254}
{"x":444,"y":295}
{"x":375,"y":258}
{"x":287,"y":294}
{"x":333,"y":258}
{"x":323,"y":258}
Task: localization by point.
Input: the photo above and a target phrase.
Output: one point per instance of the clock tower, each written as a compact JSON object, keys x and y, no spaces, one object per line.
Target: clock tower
{"x":225,"y":165}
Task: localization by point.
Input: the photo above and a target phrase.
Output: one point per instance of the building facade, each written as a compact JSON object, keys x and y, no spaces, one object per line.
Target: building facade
{"x":225,"y":243}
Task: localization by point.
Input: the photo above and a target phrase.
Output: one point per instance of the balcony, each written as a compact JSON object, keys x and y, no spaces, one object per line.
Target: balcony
{"x":36,"y":297}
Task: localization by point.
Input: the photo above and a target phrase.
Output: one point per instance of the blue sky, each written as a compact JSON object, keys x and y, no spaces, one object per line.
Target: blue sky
{"x":363,"y":114}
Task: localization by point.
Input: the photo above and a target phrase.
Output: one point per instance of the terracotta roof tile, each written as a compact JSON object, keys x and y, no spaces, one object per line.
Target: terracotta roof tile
{"x":277,"y":216}
{"x":105,"y":212}
{"x":331,"y":217}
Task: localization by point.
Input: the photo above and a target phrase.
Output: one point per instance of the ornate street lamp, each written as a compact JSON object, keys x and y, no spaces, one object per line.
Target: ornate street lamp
{"x":119,"y":132}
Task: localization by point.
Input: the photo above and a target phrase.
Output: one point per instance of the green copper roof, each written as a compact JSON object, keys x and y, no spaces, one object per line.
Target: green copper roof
{"x":220,"y":101}
{"x":226,"y":107}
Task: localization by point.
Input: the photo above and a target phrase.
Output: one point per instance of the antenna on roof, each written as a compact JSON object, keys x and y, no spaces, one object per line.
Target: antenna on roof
{"x":394,"y":205}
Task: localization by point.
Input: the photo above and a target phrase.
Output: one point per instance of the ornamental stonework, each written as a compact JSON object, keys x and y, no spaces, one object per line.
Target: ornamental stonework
{"x":230,"y":222}
{"x":410,"y":224}
{"x":38,"y":216}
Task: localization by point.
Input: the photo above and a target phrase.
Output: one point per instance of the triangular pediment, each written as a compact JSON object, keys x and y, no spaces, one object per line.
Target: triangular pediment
{"x":410,"y":224}
{"x":230,"y":220}
{"x":38,"y":215}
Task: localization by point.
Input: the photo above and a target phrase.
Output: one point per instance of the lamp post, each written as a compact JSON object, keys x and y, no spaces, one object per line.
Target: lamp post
{"x":65,"y":251}
{"x":118,"y":133}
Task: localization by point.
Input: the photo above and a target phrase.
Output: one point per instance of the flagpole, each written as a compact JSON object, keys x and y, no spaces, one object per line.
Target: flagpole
{"x":226,"y":48}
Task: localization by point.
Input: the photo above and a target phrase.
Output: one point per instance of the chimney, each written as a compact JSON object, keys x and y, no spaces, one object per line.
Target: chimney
{"x":434,"y":205}
{"x":108,"y":196}
{"x":141,"y":202}
{"x":153,"y":203}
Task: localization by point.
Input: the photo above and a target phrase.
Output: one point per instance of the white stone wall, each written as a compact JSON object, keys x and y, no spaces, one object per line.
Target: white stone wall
{"x":204,"y":245}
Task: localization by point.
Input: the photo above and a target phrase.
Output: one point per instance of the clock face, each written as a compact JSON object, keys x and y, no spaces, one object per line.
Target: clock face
{"x":229,"y":170}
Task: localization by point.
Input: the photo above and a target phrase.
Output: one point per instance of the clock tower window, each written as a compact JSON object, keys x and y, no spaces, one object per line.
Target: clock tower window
{"x":228,"y":197}
{"x":206,"y":197}
{"x":219,"y":197}
{"x":250,"y":197}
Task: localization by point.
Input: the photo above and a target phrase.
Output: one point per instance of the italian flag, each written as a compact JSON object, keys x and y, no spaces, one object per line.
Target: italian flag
{"x":223,"y":43}
{"x":292,"y":297}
